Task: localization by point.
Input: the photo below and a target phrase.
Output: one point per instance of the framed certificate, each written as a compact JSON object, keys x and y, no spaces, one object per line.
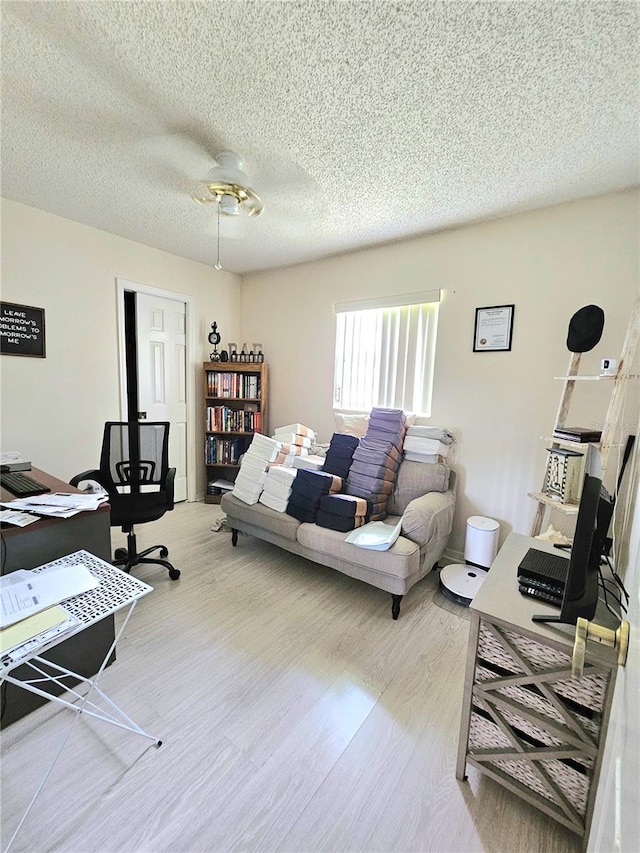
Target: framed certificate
{"x":494,"y":327}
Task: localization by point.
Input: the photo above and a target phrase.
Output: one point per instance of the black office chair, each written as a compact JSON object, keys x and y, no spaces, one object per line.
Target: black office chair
{"x":134,"y":471}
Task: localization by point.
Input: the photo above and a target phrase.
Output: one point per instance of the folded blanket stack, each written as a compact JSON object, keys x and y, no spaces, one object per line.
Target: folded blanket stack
{"x":387,"y":425}
{"x":376,"y":460}
{"x":277,"y":487}
{"x":289,"y":453}
{"x":340,"y":454}
{"x":295,"y":429}
{"x":253,"y":468}
{"x":342,"y":512}
{"x":427,"y":444}
{"x":306,"y":491}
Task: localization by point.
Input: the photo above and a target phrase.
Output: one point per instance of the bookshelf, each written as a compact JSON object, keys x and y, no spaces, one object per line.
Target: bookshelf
{"x":235,"y":407}
{"x":611,"y":425}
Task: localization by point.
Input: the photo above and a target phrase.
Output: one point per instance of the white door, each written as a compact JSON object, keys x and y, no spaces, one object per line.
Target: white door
{"x":162,"y":393}
{"x":616,"y":818}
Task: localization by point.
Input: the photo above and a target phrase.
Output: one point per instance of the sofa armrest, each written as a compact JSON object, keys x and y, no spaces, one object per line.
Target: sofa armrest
{"x":429,"y":517}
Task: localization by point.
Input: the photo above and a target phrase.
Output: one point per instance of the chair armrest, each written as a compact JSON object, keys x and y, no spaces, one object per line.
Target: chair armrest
{"x":86,"y":475}
{"x":429,"y":516}
{"x":168,"y":486}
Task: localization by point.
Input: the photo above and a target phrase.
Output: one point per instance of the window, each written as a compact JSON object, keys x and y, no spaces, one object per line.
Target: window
{"x":385,"y":351}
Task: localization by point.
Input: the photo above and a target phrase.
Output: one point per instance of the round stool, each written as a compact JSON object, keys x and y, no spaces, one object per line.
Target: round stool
{"x":481,"y":542}
{"x":461,"y":582}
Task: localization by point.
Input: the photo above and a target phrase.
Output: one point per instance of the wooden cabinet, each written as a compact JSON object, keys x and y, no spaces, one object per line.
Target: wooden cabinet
{"x":236,"y":397}
{"x":526,"y":722}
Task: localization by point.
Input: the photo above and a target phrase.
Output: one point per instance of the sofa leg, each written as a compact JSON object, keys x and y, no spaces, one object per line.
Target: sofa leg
{"x":234,"y":537}
{"x":395,"y":605}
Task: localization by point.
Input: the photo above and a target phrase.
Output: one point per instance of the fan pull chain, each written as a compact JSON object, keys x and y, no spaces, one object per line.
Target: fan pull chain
{"x":218,"y":265}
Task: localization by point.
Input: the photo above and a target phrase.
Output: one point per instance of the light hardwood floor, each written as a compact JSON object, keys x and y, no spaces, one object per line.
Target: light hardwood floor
{"x":296,"y":715}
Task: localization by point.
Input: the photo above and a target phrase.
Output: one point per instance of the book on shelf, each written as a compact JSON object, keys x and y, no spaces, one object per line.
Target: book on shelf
{"x":581,"y":435}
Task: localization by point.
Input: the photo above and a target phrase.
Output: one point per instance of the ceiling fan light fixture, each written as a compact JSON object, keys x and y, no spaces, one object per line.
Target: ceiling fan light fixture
{"x":227,"y":186}
{"x":229,"y":205}
{"x":247,"y":201}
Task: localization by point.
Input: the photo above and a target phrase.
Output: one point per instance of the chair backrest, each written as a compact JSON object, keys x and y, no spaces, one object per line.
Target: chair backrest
{"x":135,"y":455}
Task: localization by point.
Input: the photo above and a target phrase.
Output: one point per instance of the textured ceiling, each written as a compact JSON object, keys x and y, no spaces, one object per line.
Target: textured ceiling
{"x":359,"y":122}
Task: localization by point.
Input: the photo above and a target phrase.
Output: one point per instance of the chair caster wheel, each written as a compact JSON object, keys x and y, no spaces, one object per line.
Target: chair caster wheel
{"x":164,"y":552}
{"x":174,"y":574}
{"x":121,"y":554}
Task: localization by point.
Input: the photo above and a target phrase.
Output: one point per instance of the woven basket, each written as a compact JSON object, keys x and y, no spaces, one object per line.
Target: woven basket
{"x":532,"y":699}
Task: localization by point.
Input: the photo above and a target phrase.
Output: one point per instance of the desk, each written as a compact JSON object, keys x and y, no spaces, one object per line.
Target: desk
{"x":39,"y":543}
{"x":526,"y":722}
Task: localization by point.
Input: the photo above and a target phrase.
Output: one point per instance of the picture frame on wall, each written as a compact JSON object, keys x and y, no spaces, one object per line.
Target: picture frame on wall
{"x":493,"y":328}
{"x":22,"y":330}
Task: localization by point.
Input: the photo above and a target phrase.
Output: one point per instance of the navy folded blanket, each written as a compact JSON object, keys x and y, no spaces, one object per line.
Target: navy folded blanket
{"x":347,"y":506}
{"x":300,"y":513}
{"x":340,"y":453}
{"x":335,"y":522}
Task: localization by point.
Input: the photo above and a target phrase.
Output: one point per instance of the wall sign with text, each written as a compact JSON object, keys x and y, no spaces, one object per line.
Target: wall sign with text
{"x":494,"y":327}
{"x":21,"y":330}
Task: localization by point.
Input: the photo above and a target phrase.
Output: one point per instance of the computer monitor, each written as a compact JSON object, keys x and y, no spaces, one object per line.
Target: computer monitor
{"x":580,"y":597}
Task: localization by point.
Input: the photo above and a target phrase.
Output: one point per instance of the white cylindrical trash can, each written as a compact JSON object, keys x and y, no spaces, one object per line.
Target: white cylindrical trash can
{"x":481,"y":542}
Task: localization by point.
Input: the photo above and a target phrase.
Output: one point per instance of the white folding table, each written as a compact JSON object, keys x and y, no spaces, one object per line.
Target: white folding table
{"x":116,"y":590}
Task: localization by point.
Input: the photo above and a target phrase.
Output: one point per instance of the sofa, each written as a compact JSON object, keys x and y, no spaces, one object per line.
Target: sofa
{"x":423,"y":497}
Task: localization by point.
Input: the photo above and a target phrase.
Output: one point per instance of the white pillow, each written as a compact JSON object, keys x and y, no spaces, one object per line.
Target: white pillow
{"x":351,"y":424}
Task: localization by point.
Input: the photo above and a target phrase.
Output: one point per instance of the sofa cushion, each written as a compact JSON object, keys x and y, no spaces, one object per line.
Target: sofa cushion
{"x":401,"y":560}
{"x":415,"y":479}
{"x":261,"y":516}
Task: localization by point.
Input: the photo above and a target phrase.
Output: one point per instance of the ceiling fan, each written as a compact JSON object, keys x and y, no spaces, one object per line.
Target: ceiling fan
{"x":227,"y":187}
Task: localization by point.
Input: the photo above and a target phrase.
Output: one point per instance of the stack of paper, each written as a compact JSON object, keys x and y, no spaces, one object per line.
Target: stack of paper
{"x":17,"y":640}
{"x":23,"y":593}
{"x":30,"y":615}
{"x":58,"y":505}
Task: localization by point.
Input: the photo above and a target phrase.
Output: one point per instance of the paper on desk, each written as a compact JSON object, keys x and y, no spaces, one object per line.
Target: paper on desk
{"x":41,"y":590}
{"x":71,"y":501}
{"x":17,"y":518}
{"x":40,"y":623}
{"x":57,"y":505}
{"x":26,"y":505}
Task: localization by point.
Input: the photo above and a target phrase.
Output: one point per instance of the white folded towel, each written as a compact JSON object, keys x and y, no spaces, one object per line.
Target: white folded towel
{"x":278,"y":490}
{"x":252,"y":469}
{"x":423,"y":457}
{"x":416,"y":444}
{"x":439,"y":434}
{"x":247,"y":496}
{"x":311,"y":462}
{"x":281,"y":474}
{"x":300,"y":429}
{"x":264,"y":447}
{"x":278,"y":504}
{"x":251,"y":479}
{"x":293,"y":439}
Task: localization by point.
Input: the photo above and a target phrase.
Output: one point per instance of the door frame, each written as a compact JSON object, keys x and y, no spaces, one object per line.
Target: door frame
{"x":122,"y":285}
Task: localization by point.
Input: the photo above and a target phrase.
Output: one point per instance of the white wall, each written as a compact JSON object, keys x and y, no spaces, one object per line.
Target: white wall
{"x":54,"y":409}
{"x":499,"y":405}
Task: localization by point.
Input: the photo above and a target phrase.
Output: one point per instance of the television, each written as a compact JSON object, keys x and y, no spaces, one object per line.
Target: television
{"x":580,"y":596}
